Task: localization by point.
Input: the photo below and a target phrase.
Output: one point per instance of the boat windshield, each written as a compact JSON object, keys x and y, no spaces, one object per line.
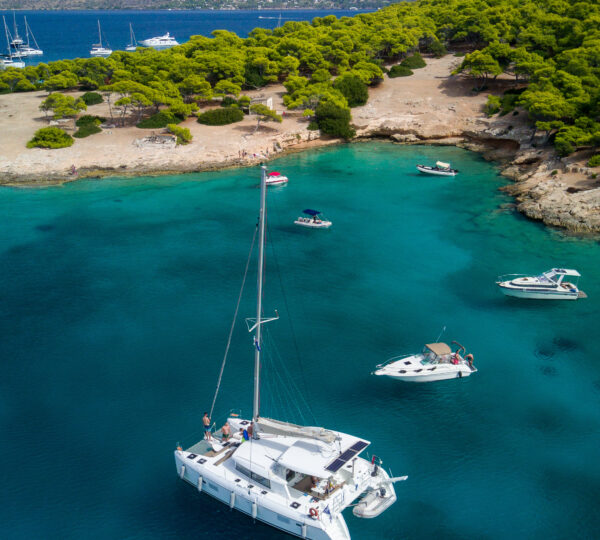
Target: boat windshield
{"x":548,"y":277}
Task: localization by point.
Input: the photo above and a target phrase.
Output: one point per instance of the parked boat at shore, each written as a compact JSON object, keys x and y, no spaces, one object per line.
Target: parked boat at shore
{"x":436,"y":362}
{"x":547,"y":286}
{"x":440,"y":169}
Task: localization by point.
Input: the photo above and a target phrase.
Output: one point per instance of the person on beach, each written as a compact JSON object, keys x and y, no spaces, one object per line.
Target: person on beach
{"x":226,"y":431}
{"x":206,"y":422}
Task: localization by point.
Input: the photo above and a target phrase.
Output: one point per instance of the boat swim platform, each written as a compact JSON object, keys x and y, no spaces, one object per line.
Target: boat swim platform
{"x":582,"y":295}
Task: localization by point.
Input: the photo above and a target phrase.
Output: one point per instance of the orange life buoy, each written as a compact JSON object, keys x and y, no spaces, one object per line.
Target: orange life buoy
{"x":314,"y":513}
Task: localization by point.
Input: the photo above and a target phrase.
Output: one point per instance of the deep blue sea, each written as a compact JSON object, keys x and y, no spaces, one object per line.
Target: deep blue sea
{"x":116,"y":300}
{"x":70,"y":34}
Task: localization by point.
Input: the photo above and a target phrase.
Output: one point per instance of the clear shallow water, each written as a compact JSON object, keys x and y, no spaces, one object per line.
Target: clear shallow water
{"x":117,"y":297}
{"x":70,"y":34}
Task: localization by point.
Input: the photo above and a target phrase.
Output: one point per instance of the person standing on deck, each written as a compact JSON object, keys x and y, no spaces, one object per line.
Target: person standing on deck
{"x":206,"y":422}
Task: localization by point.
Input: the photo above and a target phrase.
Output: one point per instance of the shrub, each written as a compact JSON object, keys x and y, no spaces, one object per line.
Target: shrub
{"x":399,"y":71}
{"x":413,"y":62}
{"x":89,"y":120}
{"x":50,"y":137}
{"x":183,"y":134}
{"x":594,"y":161}
{"x":334,"y":120}
{"x":313,"y":126}
{"x":228,"y":101}
{"x":554,"y":172}
{"x":354,"y":90}
{"x":459,"y":54}
{"x":160,"y":120}
{"x":493,"y":105}
{"x":438,"y":49}
{"x":92,"y":98}
{"x":86,"y":130}
{"x":221,"y":117}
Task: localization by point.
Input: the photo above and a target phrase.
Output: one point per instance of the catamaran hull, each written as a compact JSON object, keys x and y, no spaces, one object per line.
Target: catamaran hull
{"x":539,"y":294}
{"x":243,"y":502}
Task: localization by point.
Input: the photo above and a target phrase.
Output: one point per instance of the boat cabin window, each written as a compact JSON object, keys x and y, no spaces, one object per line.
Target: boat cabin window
{"x":256,"y":477}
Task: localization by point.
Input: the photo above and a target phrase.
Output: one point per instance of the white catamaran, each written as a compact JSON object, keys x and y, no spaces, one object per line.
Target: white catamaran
{"x":97,"y":48}
{"x":7,"y":61}
{"x":295,"y":478}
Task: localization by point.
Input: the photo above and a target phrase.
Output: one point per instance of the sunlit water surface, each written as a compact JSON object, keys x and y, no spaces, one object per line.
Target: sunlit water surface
{"x":116,"y":301}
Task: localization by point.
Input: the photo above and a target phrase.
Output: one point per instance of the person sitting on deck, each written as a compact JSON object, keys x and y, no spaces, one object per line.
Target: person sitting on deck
{"x":226,"y":431}
{"x":469,"y":359}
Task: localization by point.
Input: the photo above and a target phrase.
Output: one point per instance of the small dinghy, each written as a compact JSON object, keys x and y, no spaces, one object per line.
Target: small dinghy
{"x":377,"y":501}
{"x":276,"y":179}
{"x":547,"y":286}
{"x":314,"y":221}
{"x":436,"y":362}
{"x":441,"y":169}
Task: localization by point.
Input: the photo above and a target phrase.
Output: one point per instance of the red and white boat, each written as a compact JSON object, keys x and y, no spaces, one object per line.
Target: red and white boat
{"x":275,"y":178}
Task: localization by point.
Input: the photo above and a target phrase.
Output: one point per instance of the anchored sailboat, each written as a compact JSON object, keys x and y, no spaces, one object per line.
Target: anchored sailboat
{"x":26,"y":49}
{"x":295,"y":478}
{"x":7,"y":60}
{"x":97,"y":48}
{"x":132,"y":42}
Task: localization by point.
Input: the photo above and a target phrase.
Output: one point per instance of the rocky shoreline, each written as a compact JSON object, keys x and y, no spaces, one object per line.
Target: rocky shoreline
{"x":429,"y":107}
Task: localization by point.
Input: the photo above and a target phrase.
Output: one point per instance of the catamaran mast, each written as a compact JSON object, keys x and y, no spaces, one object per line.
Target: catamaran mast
{"x":259,"y":285}
{"x":99,"y":34}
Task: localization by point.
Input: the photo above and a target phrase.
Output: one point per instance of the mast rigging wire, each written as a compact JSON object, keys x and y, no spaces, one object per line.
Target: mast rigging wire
{"x":237,"y":307}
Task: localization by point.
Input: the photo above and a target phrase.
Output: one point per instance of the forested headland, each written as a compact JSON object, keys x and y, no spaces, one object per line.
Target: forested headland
{"x":551,"y":48}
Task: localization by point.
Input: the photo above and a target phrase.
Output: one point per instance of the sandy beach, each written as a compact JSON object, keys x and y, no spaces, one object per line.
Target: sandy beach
{"x":430,"y":106}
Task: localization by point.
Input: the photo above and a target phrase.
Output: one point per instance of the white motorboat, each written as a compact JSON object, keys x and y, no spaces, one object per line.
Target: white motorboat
{"x":436,"y":362}
{"x":132,"y":46}
{"x":441,"y":169}
{"x":314,"y":221}
{"x":97,"y":48}
{"x":275,"y":178}
{"x":550,"y":285}
{"x":298,"y":479}
{"x":160,"y":42}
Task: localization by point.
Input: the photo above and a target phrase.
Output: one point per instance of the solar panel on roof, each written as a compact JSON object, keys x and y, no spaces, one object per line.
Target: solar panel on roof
{"x":347,"y":455}
{"x":336,"y":465}
{"x":358,"y":446}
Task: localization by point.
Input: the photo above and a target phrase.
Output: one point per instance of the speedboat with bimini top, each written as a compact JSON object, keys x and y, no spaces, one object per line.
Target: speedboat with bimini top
{"x":314,"y":221}
{"x":298,"y":479}
{"x":275,"y":178}
{"x":550,"y":285}
{"x":441,"y":169}
{"x":436,"y":362}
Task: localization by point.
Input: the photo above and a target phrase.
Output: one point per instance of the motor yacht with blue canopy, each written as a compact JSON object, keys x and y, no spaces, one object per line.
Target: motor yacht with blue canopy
{"x":312,"y":218}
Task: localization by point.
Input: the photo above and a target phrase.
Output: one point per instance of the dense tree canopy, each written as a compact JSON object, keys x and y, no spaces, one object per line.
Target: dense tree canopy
{"x":553,"y":46}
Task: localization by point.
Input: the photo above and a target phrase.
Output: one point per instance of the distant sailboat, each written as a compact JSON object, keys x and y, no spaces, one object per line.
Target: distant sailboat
{"x":27,"y":49}
{"x":16,"y":40}
{"x":97,"y":48}
{"x":132,"y":42}
{"x":8,"y":61}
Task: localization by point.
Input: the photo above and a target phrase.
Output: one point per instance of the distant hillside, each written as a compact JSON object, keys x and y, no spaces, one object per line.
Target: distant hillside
{"x":191,"y":4}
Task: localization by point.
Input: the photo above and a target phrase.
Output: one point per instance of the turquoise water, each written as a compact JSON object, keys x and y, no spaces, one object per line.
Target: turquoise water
{"x":117,"y":297}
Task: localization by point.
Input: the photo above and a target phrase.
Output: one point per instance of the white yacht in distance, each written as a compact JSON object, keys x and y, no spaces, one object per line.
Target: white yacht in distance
{"x":297,"y":479}
{"x":547,"y":286}
{"x":132,"y":42}
{"x":97,"y":48}
{"x":160,"y":42}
